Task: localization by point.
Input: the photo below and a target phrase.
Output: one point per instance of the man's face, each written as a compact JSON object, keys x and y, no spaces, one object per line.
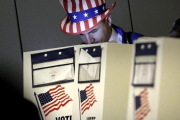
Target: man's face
{"x":100,"y":33}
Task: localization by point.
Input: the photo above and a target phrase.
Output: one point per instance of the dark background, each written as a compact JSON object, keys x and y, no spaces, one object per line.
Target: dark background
{"x":28,"y":25}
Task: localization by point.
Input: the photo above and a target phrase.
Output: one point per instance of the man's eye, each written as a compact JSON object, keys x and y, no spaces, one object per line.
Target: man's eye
{"x":93,"y":31}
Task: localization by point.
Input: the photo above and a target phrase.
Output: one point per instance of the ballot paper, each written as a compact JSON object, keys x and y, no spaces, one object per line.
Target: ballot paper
{"x":144,"y":64}
{"x":89,"y":67}
{"x":53,"y":67}
{"x":46,"y":73}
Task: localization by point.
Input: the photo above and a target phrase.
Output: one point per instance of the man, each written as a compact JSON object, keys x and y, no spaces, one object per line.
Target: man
{"x":92,"y":22}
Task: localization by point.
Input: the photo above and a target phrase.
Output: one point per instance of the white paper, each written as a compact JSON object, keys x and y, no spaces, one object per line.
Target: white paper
{"x":53,"y":74}
{"x":144,"y":69}
{"x":84,"y":57}
{"x":84,"y":75}
{"x":90,"y":69}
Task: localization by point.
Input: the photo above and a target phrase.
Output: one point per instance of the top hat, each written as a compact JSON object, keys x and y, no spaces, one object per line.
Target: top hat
{"x":83,"y":15}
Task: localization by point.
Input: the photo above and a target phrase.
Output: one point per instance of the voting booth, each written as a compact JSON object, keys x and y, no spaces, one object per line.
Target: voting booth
{"x":106,"y":81}
{"x":82,"y":82}
{"x":155,"y":79}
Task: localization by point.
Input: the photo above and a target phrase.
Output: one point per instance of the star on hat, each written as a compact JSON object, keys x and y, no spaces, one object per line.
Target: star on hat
{"x":85,"y":14}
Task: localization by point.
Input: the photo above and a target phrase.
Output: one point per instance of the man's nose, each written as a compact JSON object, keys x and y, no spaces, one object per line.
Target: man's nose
{"x":90,"y":39}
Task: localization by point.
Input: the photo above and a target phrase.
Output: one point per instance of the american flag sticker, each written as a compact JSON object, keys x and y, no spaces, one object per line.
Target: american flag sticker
{"x":87,"y":98}
{"x":54,"y":99}
{"x":141,"y":105}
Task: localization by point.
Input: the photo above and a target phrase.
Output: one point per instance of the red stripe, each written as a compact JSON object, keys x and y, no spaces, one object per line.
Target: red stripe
{"x":89,"y":3}
{"x":97,"y":3}
{"x":88,"y":107}
{"x":64,"y":28}
{"x":90,"y":93}
{"x":71,"y":28}
{"x":89,"y":86}
{"x":89,"y":99}
{"x":142,"y":108}
{"x":78,"y":27}
{"x":57,"y":87}
{"x":60,"y":90}
{"x":58,"y":93}
{"x":143,"y":114}
{"x":94,"y":20}
{"x":63,"y":97}
{"x":86,"y":23}
{"x":59,"y":102}
{"x":55,"y":100}
{"x":81,"y":5}
{"x":73,"y":6}
{"x":65,"y":4}
{"x":57,"y":108}
{"x":50,"y":104}
{"x":103,"y":15}
{"x":102,"y":1}
{"x":87,"y":102}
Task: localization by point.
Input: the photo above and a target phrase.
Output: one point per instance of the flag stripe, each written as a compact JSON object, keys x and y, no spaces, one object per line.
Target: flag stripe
{"x":82,"y":26}
{"x":93,"y":3}
{"x":100,"y":3}
{"x":89,"y":4}
{"x":78,"y":27}
{"x":87,"y":108}
{"x":67,"y":27}
{"x":81,"y":5}
{"x":85,"y":6}
{"x":90,"y":23}
{"x":57,"y":88}
{"x":57,"y":101}
{"x":73,"y":6}
{"x":65,"y":4}
{"x":143,"y":114}
{"x":88,"y":101}
{"x":74,"y":28}
{"x":77,"y":6}
{"x":57,"y":107}
{"x":98,"y":18}
{"x":63,"y":22}
{"x":86,"y":23}
{"x":97,"y":3}
{"x":66,"y":23}
{"x":69,"y":6}
{"x":71,"y":27}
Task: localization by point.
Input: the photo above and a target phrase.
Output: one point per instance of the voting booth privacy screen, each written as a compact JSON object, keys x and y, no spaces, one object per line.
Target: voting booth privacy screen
{"x":105,"y":81}
{"x":155,"y":80}
{"x":80,"y":82}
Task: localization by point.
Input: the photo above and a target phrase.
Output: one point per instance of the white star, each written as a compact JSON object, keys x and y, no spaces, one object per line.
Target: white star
{"x":96,"y":11}
{"x":75,"y":17}
{"x":85,"y":15}
{"x":103,"y":7}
